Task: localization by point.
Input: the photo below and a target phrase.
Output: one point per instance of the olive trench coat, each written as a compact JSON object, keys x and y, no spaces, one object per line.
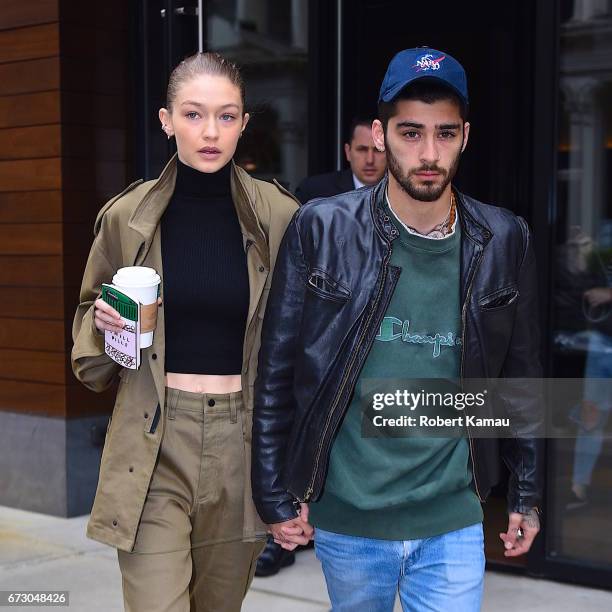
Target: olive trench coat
{"x":127,"y":233}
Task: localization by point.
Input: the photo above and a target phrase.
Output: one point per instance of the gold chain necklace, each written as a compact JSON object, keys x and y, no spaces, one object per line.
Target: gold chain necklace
{"x":441,"y":229}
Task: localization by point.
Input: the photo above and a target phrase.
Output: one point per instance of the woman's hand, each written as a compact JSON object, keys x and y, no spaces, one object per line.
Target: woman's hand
{"x":106,"y":318}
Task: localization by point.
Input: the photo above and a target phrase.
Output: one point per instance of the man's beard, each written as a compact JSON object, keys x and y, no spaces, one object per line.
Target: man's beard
{"x":428,"y":191}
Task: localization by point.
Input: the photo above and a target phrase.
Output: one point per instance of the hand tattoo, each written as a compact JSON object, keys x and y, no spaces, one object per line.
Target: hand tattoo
{"x":531,"y":520}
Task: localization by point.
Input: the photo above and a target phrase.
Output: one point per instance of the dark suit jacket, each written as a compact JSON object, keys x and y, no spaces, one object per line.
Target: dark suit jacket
{"x":324,"y":185}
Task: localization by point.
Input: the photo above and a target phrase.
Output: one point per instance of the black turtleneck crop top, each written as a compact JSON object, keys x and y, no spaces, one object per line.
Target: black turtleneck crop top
{"x":206,"y":285}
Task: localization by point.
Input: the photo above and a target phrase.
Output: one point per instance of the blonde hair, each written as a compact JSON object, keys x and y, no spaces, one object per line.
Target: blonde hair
{"x":203,"y":63}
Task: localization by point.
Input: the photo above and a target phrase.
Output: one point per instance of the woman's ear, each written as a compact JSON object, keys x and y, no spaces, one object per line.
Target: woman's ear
{"x":245,"y":120}
{"x":166,"y":122}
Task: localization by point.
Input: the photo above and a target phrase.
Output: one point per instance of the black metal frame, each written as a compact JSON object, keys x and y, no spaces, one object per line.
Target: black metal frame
{"x":543,"y":214}
{"x":322,"y":67}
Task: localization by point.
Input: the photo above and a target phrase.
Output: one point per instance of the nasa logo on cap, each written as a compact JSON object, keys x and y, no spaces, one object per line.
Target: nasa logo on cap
{"x":428,"y":62}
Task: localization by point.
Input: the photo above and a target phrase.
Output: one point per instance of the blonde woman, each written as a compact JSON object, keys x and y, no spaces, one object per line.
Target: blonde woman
{"x":174,"y":493}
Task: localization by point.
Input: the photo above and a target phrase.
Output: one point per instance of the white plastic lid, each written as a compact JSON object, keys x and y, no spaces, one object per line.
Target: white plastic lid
{"x":136,"y":276}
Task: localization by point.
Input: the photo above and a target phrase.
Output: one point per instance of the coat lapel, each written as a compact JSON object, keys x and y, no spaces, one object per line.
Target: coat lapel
{"x":253,"y":235}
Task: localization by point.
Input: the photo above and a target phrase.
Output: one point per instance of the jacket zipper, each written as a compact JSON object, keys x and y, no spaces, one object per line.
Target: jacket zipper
{"x":463,"y":321}
{"x":310,"y":489}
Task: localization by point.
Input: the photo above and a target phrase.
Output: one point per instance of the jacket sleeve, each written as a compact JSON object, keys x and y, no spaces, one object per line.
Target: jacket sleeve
{"x":273,"y":411}
{"x":90,"y":363}
{"x":524,"y":399}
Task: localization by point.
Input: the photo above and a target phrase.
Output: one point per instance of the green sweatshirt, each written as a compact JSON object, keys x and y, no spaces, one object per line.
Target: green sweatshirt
{"x":404,"y":488}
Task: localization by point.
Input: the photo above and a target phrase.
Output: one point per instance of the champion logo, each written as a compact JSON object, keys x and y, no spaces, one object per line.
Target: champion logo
{"x":428,"y":62}
{"x":393,"y":328}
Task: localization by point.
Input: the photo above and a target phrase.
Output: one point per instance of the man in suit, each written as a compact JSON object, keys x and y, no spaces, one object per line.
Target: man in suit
{"x":367,"y":166}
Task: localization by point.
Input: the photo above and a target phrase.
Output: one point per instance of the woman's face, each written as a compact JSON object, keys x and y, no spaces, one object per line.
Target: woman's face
{"x":206,"y":121}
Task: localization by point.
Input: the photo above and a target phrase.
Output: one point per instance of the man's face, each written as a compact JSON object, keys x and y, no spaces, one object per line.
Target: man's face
{"x":423,"y":145}
{"x":367,"y":162}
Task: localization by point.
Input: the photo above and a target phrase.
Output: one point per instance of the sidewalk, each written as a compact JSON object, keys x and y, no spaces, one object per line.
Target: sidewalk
{"x":39,"y":552}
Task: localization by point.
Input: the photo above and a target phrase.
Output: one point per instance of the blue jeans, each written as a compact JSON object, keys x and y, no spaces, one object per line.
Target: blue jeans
{"x":438,"y":574}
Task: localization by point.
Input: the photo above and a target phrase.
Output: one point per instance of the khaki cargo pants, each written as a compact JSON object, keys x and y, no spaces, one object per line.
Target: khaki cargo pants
{"x":189,"y":554}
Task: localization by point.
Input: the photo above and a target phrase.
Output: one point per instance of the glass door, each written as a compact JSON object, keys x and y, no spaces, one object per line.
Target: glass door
{"x":579,"y":504}
{"x":269,"y":41}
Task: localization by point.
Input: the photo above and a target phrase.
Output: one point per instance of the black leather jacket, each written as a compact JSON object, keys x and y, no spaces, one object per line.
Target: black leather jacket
{"x":331,"y":287}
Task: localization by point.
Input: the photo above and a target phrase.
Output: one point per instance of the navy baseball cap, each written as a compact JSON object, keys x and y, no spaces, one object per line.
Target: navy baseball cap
{"x":412,"y":64}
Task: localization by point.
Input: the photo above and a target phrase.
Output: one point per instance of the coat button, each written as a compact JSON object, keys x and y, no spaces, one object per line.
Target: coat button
{"x":154,"y":356}
{"x":211,"y":402}
{"x":146,"y":415}
{"x":131,"y":468}
{"x":115,"y":523}
{"x":262,"y":269}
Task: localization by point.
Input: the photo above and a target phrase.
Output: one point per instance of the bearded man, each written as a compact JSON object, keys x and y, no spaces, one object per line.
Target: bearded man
{"x":363,"y":285}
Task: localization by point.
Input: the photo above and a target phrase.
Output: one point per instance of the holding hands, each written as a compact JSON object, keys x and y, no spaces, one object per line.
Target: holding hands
{"x":295,"y":532}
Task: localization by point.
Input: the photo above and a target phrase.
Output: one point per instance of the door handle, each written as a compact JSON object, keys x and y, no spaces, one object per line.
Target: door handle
{"x":187,"y":11}
{"x":184,"y":11}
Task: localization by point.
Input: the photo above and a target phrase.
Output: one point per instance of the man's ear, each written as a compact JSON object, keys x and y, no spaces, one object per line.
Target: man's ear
{"x":466,"y":134}
{"x":378,"y":135}
{"x":347,"y":151}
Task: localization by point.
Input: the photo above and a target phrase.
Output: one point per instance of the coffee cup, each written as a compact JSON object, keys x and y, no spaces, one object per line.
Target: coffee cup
{"x":141,"y":283}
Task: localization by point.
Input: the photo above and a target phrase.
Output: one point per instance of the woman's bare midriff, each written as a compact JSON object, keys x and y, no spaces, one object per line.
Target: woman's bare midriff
{"x":204,"y":383}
